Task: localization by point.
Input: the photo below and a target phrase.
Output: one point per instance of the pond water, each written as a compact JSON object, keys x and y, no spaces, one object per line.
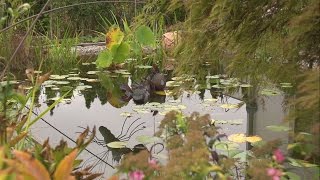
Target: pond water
{"x":97,"y":100}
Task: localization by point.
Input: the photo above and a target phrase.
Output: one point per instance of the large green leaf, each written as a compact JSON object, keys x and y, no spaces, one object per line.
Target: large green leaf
{"x":104,"y":59}
{"x":120,"y":52}
{"x":145,"y":36}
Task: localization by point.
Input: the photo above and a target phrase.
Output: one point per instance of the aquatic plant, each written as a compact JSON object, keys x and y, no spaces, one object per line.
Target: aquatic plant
{"x":120,"y":44}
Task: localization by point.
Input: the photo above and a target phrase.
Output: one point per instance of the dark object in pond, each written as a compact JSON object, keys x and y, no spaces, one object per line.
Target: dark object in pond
{"x":141,"y":92}
{"x":157,"y":79}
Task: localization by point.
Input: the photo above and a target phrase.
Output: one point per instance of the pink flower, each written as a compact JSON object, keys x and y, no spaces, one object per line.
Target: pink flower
{"x":274,"y":173}
{"x":278,"y":156}
{"x":153,"y":163}
{"x":136,"y":175}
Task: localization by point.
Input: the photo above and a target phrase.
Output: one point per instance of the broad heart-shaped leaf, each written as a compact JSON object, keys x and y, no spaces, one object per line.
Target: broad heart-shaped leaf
{"x":65,"y":167}
{"x":120,"y":52}
{"x":31,"y":165}
{"x":114,"y":36}
{"x":117,"y":144}
{"x":145,"y":36}
{"x":104,"y":59}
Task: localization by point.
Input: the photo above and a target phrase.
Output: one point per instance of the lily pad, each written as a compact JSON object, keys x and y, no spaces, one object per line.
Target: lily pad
{"x":62,"y":82}
{"x":278,"y":128}
{"x":245,"y":85}
{"x":117,"y":144}
{"x":86,"y":64}
{"x":213,"y":77}
{"x":92,"y":72}
{"x":92,"y":80}
{"x":270,"y":92}
{"x":144,"y":139}
{"x":74,"y":78}
{"x":58,"y":77}
{"x":126,"y":114}
{"x":229,"y":106}
{"x":83,"y":87}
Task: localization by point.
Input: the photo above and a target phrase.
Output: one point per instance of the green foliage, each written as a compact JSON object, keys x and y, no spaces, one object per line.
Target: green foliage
{"x":145,"y":36}
{"x":119,"y":45}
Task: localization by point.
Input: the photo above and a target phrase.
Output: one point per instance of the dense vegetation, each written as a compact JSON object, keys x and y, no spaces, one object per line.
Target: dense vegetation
{"x":260,"y":42}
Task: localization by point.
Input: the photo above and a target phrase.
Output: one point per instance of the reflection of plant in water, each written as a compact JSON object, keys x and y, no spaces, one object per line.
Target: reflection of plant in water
{"x":117,"y":152}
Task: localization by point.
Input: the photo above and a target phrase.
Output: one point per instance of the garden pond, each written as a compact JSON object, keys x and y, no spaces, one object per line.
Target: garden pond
{"x":96,"y":99}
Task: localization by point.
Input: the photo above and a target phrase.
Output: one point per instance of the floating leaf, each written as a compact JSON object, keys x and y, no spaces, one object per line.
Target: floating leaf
{"x":114,"y":36}
{"x":145,"y":36}
{"x":253,"y":139}
{"x":63,"y":82}
{"x":126,"y":114}
{"x":210,"y":100}
{"x":147,"y":139}
{"x":238,"y":138}
{"x":58,"y":77}
{"x":229,"y":106}
{"x":74,"y":78}
{"x":245,"y":85}
{"x":269,"y":92}
{"x":92,"y":72}
{"x":92,"y":80}
{"x":278,"y":128}
{"x":117,"y":144}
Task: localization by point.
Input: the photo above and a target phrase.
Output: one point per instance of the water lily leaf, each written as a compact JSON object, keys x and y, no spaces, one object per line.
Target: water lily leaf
{"x":63,"y":82}
{"x":104,"y":59}
{"x":213,"y":77}
{"x":218,"y":121}
{"x":210,"y":100}
{"x":269,"y":92}
{"x":117,"y":144}
{"x":144,"y":139}
{"x":55,"y":88}
{"x":58,"y":77}
{"x":37,"y":72}
{"x":145,"y":36}
{"x":229,"y":106}
{"x":235,"y":122}
{"x":83,"y":87}
{"x":92,"y":80}
{"x":126,"y":114}
{"x":114,"y":36}
{"x":238,"y":138}
{"x":253,"y":139}
{"x":278,"y":128}
{"x":92,"y":72}
{"x":245,"y":85}
{"x":74,"y":78}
